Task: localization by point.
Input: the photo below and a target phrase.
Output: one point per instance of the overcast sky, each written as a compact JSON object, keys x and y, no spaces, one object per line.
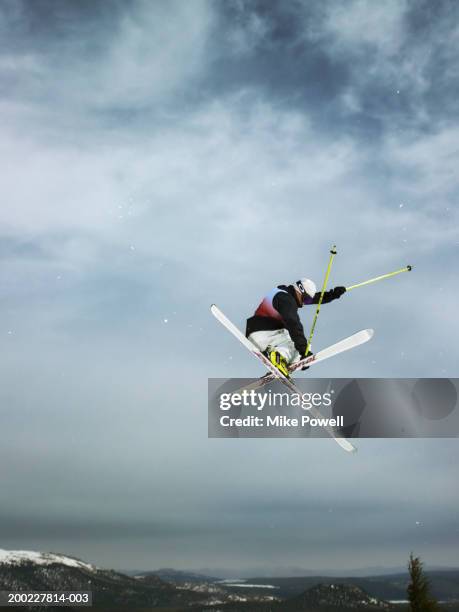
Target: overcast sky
{"x":160,"y":156}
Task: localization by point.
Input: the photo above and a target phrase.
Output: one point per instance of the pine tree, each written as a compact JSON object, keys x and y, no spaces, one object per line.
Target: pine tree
{"x":419,"y":588}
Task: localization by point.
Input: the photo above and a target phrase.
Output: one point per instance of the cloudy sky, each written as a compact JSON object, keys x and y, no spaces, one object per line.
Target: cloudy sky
{"x":160,"y":156}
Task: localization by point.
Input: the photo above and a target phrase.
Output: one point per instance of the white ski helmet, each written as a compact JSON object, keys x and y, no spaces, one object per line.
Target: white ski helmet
{"x":306,"y":287}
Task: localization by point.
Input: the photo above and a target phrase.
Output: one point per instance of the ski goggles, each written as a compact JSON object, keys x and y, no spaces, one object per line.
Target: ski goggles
{"x":307,"y":299}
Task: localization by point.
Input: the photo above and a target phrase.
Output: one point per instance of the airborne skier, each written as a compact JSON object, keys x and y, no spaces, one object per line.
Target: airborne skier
{"x":276,"y":329}
{"x":275,"y":336}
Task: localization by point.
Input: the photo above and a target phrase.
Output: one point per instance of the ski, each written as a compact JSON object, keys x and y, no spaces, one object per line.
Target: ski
{"x":335,"y":349}
{"x":218,"y":314}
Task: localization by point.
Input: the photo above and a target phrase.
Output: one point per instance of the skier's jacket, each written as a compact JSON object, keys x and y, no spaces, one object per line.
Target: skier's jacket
{"x":279,"y":310}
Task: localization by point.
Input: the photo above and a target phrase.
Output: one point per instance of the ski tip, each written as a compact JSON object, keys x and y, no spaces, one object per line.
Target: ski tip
{"x":215,"y":310}
{"x":346,"y":445}
{"x":365,"y":334}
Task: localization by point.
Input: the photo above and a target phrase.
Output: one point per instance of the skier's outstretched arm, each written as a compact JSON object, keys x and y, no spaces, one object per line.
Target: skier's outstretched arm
{"x":285,"y":306}
{"x":329,"y":296}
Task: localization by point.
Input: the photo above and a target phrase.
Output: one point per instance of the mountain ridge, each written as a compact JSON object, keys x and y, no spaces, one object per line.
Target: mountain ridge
{"x":46,"y":571}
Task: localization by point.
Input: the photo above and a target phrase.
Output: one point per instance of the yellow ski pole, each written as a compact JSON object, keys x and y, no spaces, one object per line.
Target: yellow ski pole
{"x":327,"y":274}
{"x":378,"y":278}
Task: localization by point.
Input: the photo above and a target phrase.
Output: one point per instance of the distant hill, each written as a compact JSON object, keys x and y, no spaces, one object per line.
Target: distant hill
{"x":333,"y":597}
{"x":178,"y":576}
{"x":320,"y":598}
{"x":444,"y":583}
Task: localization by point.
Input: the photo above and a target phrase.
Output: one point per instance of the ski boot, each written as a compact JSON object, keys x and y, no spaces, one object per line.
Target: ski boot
{"x":278,"y":361}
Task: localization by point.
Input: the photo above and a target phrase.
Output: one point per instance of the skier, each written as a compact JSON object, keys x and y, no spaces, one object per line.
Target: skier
{"x":276,"y":329}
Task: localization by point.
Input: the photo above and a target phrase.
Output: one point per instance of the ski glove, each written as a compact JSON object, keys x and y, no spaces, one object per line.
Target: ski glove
{"x":338,"y":292}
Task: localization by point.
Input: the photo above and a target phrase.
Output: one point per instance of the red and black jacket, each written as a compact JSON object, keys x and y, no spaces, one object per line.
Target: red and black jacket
{"x":279,"y":310}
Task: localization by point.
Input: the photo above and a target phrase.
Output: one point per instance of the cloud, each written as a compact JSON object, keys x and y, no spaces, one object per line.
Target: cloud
{"x":400,"y":57}
{"x":243,"y":176}
{"x":362,"y":25}
{"x":101,"y":57}
{"x":247,"y":30}
{"x":430,"y":161}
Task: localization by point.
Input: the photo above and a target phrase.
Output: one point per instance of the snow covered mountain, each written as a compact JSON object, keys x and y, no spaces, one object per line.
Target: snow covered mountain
{"x":20,"y":557}
{"x":22,"y":570}
{"x":36,"y":571}
{"x":335,"y":597}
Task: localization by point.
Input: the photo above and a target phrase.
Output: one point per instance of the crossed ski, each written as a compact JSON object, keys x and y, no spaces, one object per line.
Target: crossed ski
{"x":341,"y":346}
